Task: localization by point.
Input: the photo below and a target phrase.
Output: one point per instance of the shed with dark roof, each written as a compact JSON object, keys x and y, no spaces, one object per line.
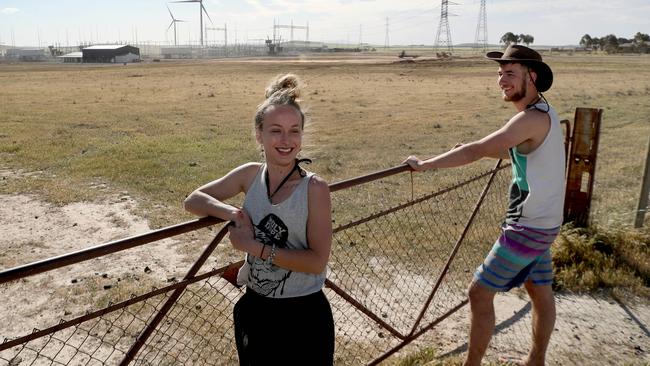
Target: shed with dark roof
{"x":111,"y":53}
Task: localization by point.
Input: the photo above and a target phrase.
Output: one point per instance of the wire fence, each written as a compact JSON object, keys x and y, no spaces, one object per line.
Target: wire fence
{"x":621,"y":181}
{"x":616,"y":204}
{"x":402,"y":256}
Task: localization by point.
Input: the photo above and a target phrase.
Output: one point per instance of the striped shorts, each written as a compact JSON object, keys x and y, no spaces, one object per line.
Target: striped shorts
{"x":520,"y":254}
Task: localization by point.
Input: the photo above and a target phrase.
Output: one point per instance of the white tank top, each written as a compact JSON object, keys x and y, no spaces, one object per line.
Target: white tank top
{"x":285,"y":225}
{"x":537,"y":189}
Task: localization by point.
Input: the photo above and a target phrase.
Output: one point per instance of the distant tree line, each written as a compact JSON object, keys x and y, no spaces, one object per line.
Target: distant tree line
{"x":511,"y":38}
{"x":611,"y":44}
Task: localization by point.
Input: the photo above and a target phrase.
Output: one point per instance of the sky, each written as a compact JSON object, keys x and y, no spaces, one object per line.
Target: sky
{"x":410,"y":22}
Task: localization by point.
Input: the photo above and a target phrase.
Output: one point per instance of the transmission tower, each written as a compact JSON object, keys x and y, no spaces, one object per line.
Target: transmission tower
{"x":360,"y":33}
{"x":443,"y":37}
{"x":481,"y":39}
{"x":225,"y":34}
{"x":278,"y":26}
{"x":386,"y":41}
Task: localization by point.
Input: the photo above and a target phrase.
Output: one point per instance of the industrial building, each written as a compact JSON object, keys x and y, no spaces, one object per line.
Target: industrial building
{"x":72,"y":57}
{"x":26,"y":54}
{"x":111,"y":54}
{"x":176,"y":52}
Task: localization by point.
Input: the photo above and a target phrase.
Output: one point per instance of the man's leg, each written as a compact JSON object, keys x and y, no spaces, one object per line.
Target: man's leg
{"x":543,"y":303}
{"x":481,"y":302}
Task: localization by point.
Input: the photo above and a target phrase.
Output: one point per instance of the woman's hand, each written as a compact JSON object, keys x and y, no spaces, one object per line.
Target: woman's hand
{"x":242,"y":233}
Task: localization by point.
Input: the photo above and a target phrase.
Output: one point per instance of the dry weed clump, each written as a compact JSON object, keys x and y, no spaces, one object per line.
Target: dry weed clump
{"x":595,"y":258}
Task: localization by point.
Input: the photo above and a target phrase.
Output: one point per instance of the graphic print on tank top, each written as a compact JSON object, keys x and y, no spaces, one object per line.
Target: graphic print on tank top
{"x":266,"y":279}
{"x":519,"y":188}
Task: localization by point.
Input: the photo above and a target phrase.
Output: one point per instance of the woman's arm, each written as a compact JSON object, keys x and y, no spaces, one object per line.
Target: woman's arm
{"x":319,"y":234}
{"x":207,"y":200}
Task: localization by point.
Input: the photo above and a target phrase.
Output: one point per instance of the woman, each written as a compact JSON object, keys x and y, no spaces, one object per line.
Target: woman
{"x":285,"y":229}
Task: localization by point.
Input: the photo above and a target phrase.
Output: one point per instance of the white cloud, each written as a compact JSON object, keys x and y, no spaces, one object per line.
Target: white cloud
{"x":9,"y":11}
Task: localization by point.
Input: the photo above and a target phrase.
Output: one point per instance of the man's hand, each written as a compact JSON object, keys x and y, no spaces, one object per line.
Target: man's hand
{"x":415,"y":163}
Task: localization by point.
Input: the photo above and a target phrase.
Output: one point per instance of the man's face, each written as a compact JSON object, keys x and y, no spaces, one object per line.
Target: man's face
{"x":513,"y":80}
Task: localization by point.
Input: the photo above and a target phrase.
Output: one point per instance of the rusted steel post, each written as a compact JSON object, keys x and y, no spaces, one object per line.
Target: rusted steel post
{"x":412,"y":202}
{"x":460,"y":240}
{"x":339,"y":291}
{"x":103,"y":249}
{"x":146,"y":333}
{"x":567,"y":141}
{"x":582,"y":165}
{"x":369,"y":177}
{"x":645,"y":191}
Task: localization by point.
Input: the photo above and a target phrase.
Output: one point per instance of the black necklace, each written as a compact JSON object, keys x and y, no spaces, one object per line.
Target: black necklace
{"x":296,"y":166}
{"x":540,"y":97}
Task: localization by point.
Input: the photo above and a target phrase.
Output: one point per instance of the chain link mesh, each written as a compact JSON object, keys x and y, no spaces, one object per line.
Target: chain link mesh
{"x":386,"y":260}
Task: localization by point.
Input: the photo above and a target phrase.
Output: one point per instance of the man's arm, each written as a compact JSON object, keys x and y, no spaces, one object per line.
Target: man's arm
{"x":500,"y":155}
{"x":523,"y":127}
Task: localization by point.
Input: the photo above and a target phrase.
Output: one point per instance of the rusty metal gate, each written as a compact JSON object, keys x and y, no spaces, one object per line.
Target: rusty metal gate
{"x":397,"y":271}
{"x":393,"y":275}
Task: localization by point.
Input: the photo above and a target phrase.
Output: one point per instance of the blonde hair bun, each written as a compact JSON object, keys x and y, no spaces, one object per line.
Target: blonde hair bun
{"x":285,"y":88}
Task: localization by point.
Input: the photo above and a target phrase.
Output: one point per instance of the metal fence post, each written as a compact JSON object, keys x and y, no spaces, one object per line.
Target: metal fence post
{"x":645,"y":191}
{"x":582,"y":165}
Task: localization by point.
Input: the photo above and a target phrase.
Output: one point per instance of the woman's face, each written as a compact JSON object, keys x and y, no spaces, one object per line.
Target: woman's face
{"x":280,"y":135}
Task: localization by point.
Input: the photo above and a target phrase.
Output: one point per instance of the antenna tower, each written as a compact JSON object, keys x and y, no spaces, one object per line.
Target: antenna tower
{"x":481,"y":39}
{"x":443,"y":37}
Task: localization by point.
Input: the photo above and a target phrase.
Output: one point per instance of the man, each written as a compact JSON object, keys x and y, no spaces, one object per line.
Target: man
{"x":533,"y":140}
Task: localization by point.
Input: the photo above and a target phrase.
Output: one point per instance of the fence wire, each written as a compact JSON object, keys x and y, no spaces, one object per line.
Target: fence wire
{"x":387,"y":257}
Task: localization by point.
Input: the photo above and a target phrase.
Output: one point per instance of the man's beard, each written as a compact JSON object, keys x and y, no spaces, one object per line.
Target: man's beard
{"x":517,"y":96}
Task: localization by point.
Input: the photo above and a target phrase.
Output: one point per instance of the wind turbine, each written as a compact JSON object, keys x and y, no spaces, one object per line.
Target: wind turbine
{"x":174,"y":21}
{"x":201,"y":11}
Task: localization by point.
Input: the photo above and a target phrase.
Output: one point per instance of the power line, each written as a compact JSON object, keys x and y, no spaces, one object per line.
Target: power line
{"x":373,"y":29}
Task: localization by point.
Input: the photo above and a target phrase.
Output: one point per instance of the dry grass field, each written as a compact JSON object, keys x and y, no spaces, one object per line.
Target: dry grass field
{"x":158,"y":130}
{"x":130,"y":142}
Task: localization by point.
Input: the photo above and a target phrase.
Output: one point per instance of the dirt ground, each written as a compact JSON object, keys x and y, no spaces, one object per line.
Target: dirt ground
{"x":34,"y":230}
{"x":609,"y":332}
{"x":589,"y":330}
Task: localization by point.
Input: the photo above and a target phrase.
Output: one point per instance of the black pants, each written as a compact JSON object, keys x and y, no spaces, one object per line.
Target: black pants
{"x":292,"y":331}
